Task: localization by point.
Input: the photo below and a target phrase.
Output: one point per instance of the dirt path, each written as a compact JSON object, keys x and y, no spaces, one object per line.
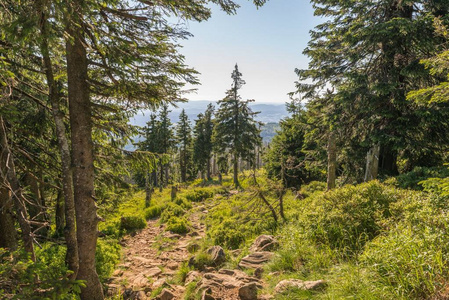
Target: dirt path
{"x":153,"y":256}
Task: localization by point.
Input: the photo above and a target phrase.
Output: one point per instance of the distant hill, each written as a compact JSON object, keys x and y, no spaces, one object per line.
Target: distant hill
{"x":269,"y":112}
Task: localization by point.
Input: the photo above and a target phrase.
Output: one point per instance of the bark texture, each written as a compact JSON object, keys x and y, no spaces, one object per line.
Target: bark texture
{"x":82,"y":155}
{"x":55,"y":97}
{"x":331,"y":161}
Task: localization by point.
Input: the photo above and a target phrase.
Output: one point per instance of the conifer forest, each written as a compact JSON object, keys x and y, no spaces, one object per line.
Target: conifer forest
{"x":349,"y":199}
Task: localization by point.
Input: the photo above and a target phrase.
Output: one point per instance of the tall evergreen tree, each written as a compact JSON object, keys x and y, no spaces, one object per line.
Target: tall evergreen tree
{"x":184,"y":139}
{"x":236,"y":130}
{"x":369,"y":52}
{"x":203,"y":141}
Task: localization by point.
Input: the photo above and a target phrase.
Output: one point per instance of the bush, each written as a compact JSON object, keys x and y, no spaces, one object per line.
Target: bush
{"x":348,"y":217}
{"x":413,"y":256}
{"x":107,"y":256}
{"x":153,"y":211}
{"x":312,"y":187}
{"x":177,"y":225}
{"x":132,"y":223}
{"x":411,"y":180}
{"x":21,"y":278}
{"x":199,"y":194}
{"x":183,"y":202}
{"x":171,"y":210}
{"x":228,"y":234}
{"x":201,"y":260}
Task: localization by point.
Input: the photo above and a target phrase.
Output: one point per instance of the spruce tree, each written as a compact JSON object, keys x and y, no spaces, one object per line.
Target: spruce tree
{"x":184,"y":139}
{"x":236,"y":130}
{"x":203,"y":141}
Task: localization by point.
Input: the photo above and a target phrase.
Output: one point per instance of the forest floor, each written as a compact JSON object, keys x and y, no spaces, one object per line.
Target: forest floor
{"x":155,"y":266}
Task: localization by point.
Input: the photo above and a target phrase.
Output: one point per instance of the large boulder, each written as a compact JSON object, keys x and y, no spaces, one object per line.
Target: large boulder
{"x":264,"y":243}
{"x":284,"y":285}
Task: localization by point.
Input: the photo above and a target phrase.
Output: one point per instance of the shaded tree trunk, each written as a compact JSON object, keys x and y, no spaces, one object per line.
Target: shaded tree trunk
{"x":331,"y":161}
{"x":8,"y":234}
{"x":236,"y":171}
{"x":55,"y":97}
{"x":59,"y":214}
{"x":10,"y":181}
{"x":208,"y":169}
{"x":82,"y":155}
{"x":372,"y":163}
{"x":148,"y":190}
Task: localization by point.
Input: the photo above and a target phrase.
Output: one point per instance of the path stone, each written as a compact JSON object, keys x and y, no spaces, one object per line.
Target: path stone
{"x":166,"y":295}
{"x":299,"y":284}
{"x":248,"y":292}
{"x":264,"y":243}
{"x":217,"y":254}
{"x":255,"y":260}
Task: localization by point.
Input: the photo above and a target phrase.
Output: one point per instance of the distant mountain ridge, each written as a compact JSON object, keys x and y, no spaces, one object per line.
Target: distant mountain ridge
{"x":269,"y":112}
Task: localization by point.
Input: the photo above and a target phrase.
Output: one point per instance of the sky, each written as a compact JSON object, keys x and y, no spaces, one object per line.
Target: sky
{"x":266,"y":43}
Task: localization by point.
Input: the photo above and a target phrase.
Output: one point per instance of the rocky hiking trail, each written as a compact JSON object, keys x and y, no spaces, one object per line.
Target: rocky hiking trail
{"x":152,"y":257}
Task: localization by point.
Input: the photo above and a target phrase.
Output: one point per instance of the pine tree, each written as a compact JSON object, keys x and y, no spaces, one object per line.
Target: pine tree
{"x":184,"y":139}
{"x":203,"y":141}
{"x":236,"y":129}
{"x":369,"y":52}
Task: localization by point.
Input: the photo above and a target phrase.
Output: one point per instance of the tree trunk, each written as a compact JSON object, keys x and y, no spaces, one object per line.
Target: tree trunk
{"x":167,"y":175}
{"x":9,"y":179}
{"x":174,"y":191}
{"x":82,"y":156}
{"x":36,"y":208}
{"x":55,"y":97}
{"x":331,"y":161}
{"x":372,"y":163}
{"x":8,"y":234}
{"x":161,"y":178}
{"x":220,"y":178}
{"x":148,"y":190}
{"x":59,"y":214}
{"x":236,"y":171}
{"x":208,"y":169}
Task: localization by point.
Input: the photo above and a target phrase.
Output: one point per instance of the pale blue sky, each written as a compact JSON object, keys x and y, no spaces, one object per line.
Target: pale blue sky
{"x":267,"y":44}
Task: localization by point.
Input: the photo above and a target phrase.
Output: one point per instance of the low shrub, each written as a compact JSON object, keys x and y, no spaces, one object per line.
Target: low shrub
{"x":153,"y":211}
{"x":21,"y":278}
{"x":412,"y":179}
{"x":132,"y":223}
{"x":183,"y":202}
{"x":107,"y":256}
{"x":348,"y":217}
{"x":201,"y":261}
{"x":171,"y":210}
{"x":227,"y":234}
{"x":199,"y":194}
{"x":177,"y":225}
{"x":413,"y":256}
{"x":313,"y":187}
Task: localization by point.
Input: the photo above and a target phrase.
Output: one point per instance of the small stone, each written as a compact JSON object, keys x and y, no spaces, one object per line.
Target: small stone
{"x":264,"y":243}
{"x":248,"y":292}
{"x":117,"y":273}
{"x":255,"y":260}
{"x":166,"y":295}
{"x":217,"y":254}
{"x":258,"y":272}
{"x":192,"y":276}
{"x":206,"y":296}
{"x":158,"y":283}
{"x":299,"y":284}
